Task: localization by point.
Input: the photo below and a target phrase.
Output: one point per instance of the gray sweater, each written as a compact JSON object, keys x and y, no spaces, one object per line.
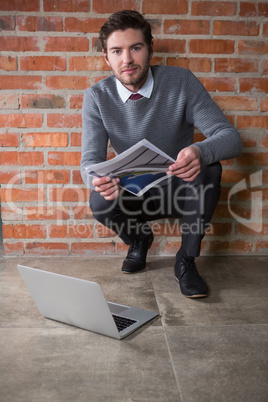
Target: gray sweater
{"x":179,"y":102}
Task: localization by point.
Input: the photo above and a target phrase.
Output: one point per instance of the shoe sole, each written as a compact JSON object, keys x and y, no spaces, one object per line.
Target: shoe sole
{"x":193,"y":296}
{"x":132,"y":272}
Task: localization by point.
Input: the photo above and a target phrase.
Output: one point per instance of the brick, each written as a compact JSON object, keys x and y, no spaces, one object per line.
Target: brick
{"x":21,"y":120}
{"x":229,"y":65}
{"x":265,"y":29}
{"x":219,"y":229}
{"x":76,"y":139}
{"x":11,"y":214}
{"x":186,"y":27}
{"x":64,"y":120}
{"x":235,"y":247}
{"x":64,"y":44}
{"x":91,"y":25}
{"x":47,"y":176}
{"x":71,"y":231}
{"x":156,"y":25}
{"x":265,"y":68}
{"x":223,"y":211}
{"x":76,"y":101}
{"x":255,"y":228}
{"x":264,"y":142}
{"x":9,"y":101}
{"x":7,"y":23}
{"x":252,"y":47}
{"x":253,"y":159}
{"x":233,"y":175}
{"x":67,"y":82}
{"x":8,"y":158}
{"x":213,"y":8}
{"x":82,"y":212}
{"x":88,"y":63}
{"x":236,"y":28}
{"x":77,"y":194}
{"x":165,"y":7}
{"x":10,"y":177}
{"x":19,"y":44}
{"x":169,"y":46}
{"x":44,"y":140}
{"x":262,"y":247}
{"x":264,"y":105}
{"x":166,"y":229}
{"x":249,"y":140}
{"x":236,"y":103}
{"x":253,"y":84}
{"x":20,"y":82}
{"x":92,"y":248}
{"x":110,"y":6}
{"x":42,"y":102}
{"x":67,"y":6}
{"x":42,"y":63}
{"x":244,"y":122}
{"x":8,"y":63}
{"x":22,"y":195}
{"x":19,"y":5}
{"x":9,"y":140}
{"x":250,"y":9}
{"x":44,"y":249}
{"x":172,"y":247}
{"x":102,"y":232}
{"x":21,"y":158}
{"x":218,"y":84}
{"x":23,"y":231}
{"x":64,"y":158}
{"x":211,"y":46}
{"x":46,"y":213}
{"x":13,"y":249}
{"x":99,"y":78}
{"x":194,"y":64}
{"x":33,"y":24}
{"x":77,"y":178}
{"x":30,"y":158}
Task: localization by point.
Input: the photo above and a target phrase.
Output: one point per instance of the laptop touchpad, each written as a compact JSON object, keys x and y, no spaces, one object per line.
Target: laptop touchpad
{"x":117,"y":308}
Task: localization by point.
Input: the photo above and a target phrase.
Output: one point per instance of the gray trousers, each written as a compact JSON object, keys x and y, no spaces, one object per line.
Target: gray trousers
{"x":193,"y":202}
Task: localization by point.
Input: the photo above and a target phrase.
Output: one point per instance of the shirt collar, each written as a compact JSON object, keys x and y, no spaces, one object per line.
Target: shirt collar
{"x":146,"y":89}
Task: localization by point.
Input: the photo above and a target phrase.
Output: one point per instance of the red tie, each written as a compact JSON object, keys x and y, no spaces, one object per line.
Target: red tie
{"x":135,"y":96}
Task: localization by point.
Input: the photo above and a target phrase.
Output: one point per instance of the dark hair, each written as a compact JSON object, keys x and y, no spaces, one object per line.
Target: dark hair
{"x":123,"y":20}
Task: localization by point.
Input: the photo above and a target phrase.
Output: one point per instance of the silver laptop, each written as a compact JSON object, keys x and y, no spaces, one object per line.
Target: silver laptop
{"x":81,"y":303}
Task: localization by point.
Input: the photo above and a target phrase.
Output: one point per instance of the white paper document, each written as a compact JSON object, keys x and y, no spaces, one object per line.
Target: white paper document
{"x":139,"y":168}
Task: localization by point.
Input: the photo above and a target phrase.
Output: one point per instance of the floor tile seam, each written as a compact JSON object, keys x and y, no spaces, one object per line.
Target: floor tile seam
{"x":214,"y":326}
{"x":167,"y":344}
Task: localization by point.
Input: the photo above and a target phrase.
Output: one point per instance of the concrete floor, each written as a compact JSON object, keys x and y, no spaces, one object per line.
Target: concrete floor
{"x":213,"y":349}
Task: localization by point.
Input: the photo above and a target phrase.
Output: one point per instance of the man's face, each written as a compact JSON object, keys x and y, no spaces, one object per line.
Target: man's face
{"x":128,"y":57}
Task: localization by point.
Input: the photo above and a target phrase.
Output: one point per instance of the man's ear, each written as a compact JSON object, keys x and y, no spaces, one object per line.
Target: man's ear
{"x":105,"y":57}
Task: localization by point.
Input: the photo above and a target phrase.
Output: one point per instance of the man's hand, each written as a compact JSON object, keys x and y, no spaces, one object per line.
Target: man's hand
{"x":107,"y":187}
{"x":187,"y":165}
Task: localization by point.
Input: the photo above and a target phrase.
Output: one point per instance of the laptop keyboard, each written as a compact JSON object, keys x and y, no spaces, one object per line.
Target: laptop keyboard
{"x":122,"y":323}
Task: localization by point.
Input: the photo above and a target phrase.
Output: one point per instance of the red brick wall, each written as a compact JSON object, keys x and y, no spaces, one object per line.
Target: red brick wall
{"x":49,"y":56}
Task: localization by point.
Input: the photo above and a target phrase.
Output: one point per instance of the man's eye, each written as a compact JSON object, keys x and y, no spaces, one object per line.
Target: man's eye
{"x":136,"y":48}
{"x":116,"y":52}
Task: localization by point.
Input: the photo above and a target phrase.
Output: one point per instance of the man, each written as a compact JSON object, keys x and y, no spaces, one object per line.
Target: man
{"x":163,"y":105}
